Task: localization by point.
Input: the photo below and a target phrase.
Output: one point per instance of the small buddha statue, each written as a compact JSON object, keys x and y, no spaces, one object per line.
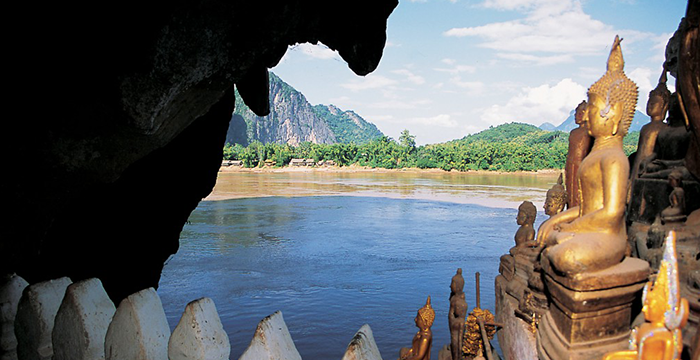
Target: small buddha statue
{"x":525,"y":236}
{"x":670,"y":148}
{"x":423,"y":340}
{"x":657,"y":107}
{"x":556,"y":199}
{"x":665,"y":314}
{"x":579,"y":146}
{"x":592,"y":236}
{"x":457,"y":314}
{"x":676,"y":211}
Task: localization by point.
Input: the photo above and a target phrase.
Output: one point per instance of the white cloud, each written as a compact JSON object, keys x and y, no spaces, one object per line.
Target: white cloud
{"x":441,"y":120}
{"x":549,"y":26}
{"x":319,"y":51}
{"x":456,"y":68}
{"x":537,"y":105}
{"x":527,"y":59}
{"x":368,"y":82}
{"x":472,"y":87}
{"x":411,"y":77}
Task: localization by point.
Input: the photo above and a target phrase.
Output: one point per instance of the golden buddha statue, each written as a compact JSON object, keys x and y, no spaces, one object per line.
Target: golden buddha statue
{"x":423,"y":340}
{"x":579,"y":146}
{"x":592,"y":236}
{"x":665,"y":312}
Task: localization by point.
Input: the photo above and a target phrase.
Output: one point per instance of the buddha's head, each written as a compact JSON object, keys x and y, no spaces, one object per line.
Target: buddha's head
{"x":580,"y":112}
{"x":426,"y":316}
{"x":556,"y":198}
{"x":611,"y":99}
{"x":675,"y":178}
{"x":527,"y":213}
{"x":659,"y":100}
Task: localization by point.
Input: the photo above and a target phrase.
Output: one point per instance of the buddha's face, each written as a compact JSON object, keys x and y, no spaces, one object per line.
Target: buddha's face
{"x":521,"y":218}
{"x":597,"y":124}
{"x":419,"y":321}
{"x":550,"y":206}
{"x":580,"y":115}
{"x":656,"y":107}
{"x":654,"y":308}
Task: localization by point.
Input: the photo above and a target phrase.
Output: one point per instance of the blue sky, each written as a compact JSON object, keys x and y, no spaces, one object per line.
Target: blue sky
{"x":455,"y":67}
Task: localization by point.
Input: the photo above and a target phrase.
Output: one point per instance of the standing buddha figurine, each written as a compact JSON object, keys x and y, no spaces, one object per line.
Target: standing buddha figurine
{"x":423,"y":340}
{"x":665,"y":312}
{"x":579,"y":146}
{"x":457,"y":314}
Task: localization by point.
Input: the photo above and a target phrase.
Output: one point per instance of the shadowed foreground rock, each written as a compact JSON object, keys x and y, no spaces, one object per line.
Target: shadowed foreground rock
{"x":36,"y":313}
{"x":11,"y":289}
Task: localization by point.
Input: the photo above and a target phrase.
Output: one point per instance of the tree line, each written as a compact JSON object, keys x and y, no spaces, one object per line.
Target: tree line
{"x":508,"y":147}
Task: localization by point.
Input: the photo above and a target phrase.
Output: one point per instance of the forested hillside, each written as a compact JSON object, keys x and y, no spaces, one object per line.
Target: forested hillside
{"x":347,"y":126}
{"x":508,"y":147}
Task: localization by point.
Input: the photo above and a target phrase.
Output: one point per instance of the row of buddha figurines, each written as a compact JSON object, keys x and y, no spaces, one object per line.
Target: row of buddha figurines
{"x":59,"y":319}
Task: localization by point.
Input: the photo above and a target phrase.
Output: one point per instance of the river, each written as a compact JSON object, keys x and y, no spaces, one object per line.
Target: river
{"x":334,"y":250}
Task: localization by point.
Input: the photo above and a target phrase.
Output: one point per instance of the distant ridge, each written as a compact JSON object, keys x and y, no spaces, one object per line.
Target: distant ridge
{"x":292,"y":120}
{"x":569,"y":124}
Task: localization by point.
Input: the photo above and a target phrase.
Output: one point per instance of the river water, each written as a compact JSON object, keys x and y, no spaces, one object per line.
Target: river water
{"x":336,"y":250}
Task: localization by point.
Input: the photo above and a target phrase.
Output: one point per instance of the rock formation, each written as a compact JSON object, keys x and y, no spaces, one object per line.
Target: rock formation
{"x":272,"y":341}
{"x":199,"y":335}
{"x":127,"y":136}
{"x":36,"y":313}
{"x":363,"y":346}
{"x":11,"y":288}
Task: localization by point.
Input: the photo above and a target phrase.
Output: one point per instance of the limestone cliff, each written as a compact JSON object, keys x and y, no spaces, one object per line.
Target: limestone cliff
{"x":292,"y":120}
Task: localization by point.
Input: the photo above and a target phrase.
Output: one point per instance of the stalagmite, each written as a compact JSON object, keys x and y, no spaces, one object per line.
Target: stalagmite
{"x":363,"y":346}
{"x":199,"y":335}
{"x":271,"y":341}
{"x":139,"y":329}
{"x":82,"y":321}
{"x":35,"y":318}
{"x":11,"y":289}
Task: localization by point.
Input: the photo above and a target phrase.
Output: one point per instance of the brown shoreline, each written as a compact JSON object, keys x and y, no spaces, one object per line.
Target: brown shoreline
{"x":355,"y":168}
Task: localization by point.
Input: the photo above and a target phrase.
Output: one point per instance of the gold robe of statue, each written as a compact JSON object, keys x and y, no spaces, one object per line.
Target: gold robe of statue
{"x":592,"y":236}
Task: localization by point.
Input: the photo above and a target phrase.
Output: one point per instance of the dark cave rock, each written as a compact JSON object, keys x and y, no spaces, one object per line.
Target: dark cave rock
{"x":122,"y":111}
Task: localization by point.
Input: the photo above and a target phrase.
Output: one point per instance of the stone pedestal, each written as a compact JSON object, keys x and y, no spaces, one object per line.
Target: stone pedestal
{"x":507,"y":267}
{"x":272,"y":341}
{"x":524,"y":261}
{"x":590,"y":313}
{"x":200,"y":335}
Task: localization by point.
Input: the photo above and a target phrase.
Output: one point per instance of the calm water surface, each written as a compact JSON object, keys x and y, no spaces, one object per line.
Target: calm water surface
{"x":334,"y":251}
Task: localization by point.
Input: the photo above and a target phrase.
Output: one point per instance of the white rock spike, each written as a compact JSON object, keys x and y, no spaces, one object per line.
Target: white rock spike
{"x":363,"y":346}
{"x":10,"y":292}
{"x":82,"y":321}
{"x":272,"y":341}
{"x":199,"y":335}
{"x":36,"y":313}
{"x":139,"y":329}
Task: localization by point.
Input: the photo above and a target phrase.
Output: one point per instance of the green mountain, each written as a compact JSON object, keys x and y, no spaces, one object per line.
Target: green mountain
{"x":292,"y":120}
{"x":348,"y":127}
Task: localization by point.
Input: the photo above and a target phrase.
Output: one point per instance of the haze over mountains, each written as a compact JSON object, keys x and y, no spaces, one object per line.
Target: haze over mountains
{"x":569,"y":124}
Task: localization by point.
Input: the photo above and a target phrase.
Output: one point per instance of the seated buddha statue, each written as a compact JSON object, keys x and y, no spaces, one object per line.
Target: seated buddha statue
{"x":672,"y":143}
{"x":657,"y":107}
{"x":665,"y":314}
{"x":592,"y":236}
{"x":423,"y":340}
{"x":525,"y":236}
{"x":675,"y":212}
{"x":579,"y":146}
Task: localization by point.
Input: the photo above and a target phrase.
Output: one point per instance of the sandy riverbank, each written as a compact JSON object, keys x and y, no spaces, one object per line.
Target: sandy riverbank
{"x":354,"y":168}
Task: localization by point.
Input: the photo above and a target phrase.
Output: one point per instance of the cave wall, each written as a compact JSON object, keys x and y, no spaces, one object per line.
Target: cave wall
{"x":121,"y":111}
